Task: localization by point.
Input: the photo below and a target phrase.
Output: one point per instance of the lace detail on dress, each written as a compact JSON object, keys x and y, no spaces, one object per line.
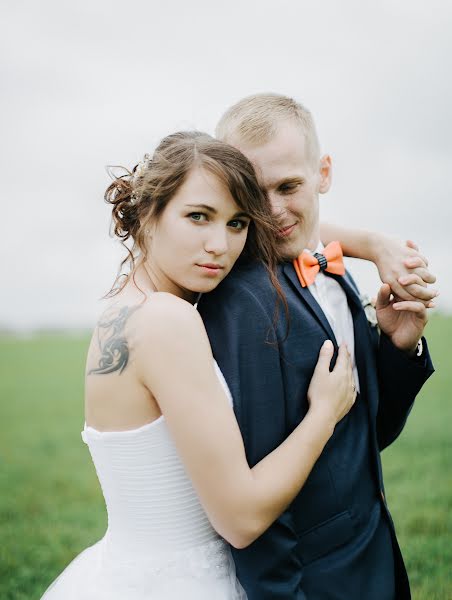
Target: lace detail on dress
{"x":211,"y":560}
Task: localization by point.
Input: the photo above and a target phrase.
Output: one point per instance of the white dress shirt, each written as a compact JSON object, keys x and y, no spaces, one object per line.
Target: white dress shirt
{"x":333,"y":301}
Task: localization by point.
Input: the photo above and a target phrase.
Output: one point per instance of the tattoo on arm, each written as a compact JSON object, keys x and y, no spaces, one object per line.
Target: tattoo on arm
{"x":113,"y":344}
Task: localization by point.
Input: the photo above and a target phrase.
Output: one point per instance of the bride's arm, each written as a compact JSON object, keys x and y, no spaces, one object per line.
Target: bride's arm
{"x":400,"y":264}
{"x":174,"y":359}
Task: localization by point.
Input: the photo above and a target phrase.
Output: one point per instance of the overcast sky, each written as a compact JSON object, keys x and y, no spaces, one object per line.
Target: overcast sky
{"x":86,"y":84}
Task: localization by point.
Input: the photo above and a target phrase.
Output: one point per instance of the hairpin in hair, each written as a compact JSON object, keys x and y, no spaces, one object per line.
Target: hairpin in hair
{"x":142,"y":166}
{"x":138,"y":172}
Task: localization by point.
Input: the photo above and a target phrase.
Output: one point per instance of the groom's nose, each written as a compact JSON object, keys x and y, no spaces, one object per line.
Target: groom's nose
{"x":277,"y":203}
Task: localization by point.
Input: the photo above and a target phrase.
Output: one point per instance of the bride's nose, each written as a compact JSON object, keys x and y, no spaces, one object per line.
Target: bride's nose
{"x":216,"y":241}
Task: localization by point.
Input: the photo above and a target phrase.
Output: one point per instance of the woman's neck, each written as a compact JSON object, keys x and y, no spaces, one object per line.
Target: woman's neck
{"x":148,"y":279}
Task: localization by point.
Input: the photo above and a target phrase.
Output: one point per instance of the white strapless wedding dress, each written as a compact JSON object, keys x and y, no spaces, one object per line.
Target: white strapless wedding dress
{"x":159,"y":543}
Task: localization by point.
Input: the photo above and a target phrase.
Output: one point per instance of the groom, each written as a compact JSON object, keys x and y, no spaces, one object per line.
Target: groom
{"x":336,"y":540}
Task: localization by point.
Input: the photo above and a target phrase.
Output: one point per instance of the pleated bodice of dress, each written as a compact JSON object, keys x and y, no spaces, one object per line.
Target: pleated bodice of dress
{"x":151,"y":503}
{"x":159,"y":543}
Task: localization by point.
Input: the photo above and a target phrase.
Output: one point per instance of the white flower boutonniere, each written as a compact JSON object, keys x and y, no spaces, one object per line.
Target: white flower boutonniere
{"x":369,"y":309}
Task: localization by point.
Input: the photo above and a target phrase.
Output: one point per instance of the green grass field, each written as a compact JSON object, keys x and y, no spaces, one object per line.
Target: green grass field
{"x":51,"y":506}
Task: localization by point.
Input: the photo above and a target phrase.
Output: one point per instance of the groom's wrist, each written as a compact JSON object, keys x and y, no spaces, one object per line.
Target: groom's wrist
{"x":417,"y":350}
{"x":414,"y":351}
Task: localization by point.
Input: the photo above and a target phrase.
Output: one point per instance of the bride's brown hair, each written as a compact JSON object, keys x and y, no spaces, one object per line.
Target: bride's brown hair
{"x":143,"y":193}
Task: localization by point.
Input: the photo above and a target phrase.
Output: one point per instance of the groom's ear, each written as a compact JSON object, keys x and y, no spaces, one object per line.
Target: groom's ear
{"x":326,"y":173}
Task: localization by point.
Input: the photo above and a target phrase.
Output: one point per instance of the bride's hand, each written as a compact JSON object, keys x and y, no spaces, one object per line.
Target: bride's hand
{"x":331,"y":394}
{"x":404,"y":269}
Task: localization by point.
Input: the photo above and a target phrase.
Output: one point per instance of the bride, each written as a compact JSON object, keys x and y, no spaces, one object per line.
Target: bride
{"x":159,"y":421}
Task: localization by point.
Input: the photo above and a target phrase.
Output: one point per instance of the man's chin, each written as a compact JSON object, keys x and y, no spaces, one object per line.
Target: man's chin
{"x":289,"y":251}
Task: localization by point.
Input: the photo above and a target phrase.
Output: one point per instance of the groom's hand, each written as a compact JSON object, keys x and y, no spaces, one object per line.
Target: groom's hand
{"x":403,"y":321}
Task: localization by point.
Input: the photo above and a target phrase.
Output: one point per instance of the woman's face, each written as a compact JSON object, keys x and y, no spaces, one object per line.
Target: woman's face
{"x":197,"y":239}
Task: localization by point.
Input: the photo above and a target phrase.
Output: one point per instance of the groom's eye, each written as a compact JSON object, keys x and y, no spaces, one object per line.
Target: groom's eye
{"x":288,"y":188}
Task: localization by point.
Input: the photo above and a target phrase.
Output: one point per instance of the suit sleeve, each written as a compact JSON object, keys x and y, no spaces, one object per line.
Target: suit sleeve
{"x":244,"y":343}
{"x":400,"y":379}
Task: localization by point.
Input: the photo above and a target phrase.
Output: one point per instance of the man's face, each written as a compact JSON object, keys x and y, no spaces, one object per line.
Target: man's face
{"x":293,"y":181}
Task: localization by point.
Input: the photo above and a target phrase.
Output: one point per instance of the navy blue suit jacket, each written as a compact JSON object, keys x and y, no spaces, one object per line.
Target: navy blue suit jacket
{"x":336,"y":540}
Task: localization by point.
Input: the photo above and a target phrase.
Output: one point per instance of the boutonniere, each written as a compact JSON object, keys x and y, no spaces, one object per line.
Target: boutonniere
{"x":369,"y":310}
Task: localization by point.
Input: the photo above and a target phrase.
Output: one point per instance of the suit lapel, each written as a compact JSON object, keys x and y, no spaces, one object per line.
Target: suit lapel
{"x":363,"y":342}
{"x":309,"y":300}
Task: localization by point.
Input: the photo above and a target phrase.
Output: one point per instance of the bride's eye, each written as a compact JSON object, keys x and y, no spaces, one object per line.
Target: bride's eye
{"x":238,"y":224}
{"x":197,"y":217}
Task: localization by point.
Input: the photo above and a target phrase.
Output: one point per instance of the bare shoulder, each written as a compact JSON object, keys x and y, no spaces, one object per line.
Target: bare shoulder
{"x":160,"y":308}
{"x":168,"y":331}
{"x":167,"y":324}
{"x":125,"y":329}
{"x":109,"y":350}
{"x":163,"y":312}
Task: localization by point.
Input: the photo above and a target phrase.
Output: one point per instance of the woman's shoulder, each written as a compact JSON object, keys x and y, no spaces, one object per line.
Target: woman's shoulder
{"x":164,"y":319}
{"x":157,"y":309}
{"x":151,"y":327}
{"x":163,"y":307}
{"x":153,"y":302}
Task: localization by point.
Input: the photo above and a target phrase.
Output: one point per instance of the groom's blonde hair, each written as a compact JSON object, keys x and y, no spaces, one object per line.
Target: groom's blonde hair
{"x":254,"y":120}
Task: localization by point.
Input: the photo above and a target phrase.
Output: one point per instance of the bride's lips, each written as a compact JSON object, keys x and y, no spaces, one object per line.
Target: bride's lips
{"x":286,"y":231}
{"x":211,"y":269}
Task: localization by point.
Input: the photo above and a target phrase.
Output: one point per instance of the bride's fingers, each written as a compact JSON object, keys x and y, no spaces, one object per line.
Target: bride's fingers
{"x":426,"y":275}
{"x":420,"y":293}
{"x":416,"y":260}
{"x":412,"y":245}
{"x":410,"y":279}
{"x":412,"y":306}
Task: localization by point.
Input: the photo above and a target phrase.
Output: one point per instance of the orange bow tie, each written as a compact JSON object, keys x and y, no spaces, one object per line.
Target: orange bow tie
{"x":308,"y":265}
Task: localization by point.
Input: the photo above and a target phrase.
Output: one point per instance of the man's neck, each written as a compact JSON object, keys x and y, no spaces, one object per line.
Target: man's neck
{"x":314,"y":245}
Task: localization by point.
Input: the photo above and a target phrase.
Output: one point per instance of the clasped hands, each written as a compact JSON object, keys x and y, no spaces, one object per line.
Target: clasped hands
{"x":403,"y":299}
